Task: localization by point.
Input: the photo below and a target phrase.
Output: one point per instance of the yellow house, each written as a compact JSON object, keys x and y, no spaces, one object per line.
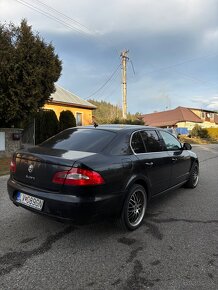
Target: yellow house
{"x":182,"y":117}
{"x":63,"y":100}
{"x":208,"y":117}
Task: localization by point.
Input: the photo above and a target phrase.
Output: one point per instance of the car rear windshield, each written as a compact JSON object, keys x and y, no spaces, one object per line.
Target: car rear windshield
{"x":87,"y":140}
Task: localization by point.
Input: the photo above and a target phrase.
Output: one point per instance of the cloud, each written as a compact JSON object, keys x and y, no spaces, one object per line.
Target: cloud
{"x":172,"y":44}
{"x":210,"y":104}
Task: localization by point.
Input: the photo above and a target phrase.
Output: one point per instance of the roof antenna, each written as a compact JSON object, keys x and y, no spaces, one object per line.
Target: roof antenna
{"x":95,"y":124}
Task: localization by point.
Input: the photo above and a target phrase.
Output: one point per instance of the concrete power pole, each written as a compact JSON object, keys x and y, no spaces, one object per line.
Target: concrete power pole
{"x":124,"y":58}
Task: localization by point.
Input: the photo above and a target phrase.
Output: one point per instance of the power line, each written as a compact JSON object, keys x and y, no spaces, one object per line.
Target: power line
{"x":62,"y":14}
{"x":180,"y":63}
{"x":110,"y":94}
{"x":107,"y":81}
{"x":49,"y":15}
{"x":111,"y":84}
{"x":193,"y":78}
{"x":133,"y":69}
{"x":53,"y":17}
{"x":101,"y":94}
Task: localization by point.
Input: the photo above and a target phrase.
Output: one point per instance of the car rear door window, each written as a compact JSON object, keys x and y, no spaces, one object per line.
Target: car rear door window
{"x":87,"y":140}
{"x":170,"y":141}
{"x":137,"y":143}
{"x":151,"y":141}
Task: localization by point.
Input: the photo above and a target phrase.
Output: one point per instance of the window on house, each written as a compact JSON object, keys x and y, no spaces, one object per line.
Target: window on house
{"x":203,"y":115}
{"x":79,"y":119}
{"x":209,"y":115}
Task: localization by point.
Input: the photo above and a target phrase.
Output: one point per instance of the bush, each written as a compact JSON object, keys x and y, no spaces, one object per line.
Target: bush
{"x":66,"y":120}
{"x":198,"y":131}
{"x":128,"y":121}
{"x":213,"y":133}
{"x":46,"y":125}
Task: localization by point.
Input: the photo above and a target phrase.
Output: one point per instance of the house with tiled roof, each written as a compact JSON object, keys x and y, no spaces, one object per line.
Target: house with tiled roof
{"x":62,"y":100}
{"x":182,"y":117}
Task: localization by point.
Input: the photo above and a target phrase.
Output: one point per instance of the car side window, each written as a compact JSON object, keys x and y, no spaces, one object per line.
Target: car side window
{"x":170,"y":141}
{"x":137,"y":143}
{"x":151,"y":141}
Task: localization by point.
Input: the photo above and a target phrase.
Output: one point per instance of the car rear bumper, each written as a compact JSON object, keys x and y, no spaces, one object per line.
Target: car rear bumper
{"x":69,"y":207}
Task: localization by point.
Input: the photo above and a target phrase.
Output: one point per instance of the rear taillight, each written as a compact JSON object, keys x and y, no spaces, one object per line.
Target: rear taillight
{"x":13,"y":166}
{"x":78,"y":176}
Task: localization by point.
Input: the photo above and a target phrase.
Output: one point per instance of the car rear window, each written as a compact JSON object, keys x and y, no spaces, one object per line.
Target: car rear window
{"x":88,"y":140}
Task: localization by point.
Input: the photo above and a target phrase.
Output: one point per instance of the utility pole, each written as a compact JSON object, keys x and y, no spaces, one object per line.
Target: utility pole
{"x":124,"y":58}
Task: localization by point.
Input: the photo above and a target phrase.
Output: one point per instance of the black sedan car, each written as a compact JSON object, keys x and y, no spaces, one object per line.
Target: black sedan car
{"x":112,"y":170}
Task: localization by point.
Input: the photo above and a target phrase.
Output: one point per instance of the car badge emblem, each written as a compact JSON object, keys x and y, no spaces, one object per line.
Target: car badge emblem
{"x":30,"y":168}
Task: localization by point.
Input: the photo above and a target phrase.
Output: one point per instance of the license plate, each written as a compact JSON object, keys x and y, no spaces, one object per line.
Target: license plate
{"x":30,"y":201}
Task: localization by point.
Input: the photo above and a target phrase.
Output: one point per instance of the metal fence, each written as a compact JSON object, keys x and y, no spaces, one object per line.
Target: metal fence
{"x":28,"y":135}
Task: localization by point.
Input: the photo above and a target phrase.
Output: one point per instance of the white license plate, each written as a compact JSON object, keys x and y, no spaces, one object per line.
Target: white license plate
{"x":30,"y":201}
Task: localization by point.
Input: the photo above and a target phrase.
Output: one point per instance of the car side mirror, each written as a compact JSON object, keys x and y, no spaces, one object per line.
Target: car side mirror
{"x":187,"y":146}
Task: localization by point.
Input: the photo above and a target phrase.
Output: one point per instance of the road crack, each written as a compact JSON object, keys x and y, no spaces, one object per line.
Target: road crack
{"x":14,"y":260}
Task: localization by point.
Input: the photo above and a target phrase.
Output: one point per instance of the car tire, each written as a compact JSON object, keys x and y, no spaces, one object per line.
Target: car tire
{"x":194,"y":177}
{"x":134,"y":208}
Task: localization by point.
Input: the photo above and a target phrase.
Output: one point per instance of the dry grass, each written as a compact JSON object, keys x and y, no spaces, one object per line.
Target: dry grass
{"x":4,"y":165}
{"x":195,"y":140}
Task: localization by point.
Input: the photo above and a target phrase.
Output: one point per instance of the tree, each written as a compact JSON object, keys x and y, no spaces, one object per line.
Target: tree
{"x":109,"y":113}
{"x":66,"y":120}
{"x":28,"y":69}
{"x":198,"y":131}
{"x":46,"y":125}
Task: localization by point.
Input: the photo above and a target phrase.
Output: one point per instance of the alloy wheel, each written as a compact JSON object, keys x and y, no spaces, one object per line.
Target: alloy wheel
{"x":136,"y":207}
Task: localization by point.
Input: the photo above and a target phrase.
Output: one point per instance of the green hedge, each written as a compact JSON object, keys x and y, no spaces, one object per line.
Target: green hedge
{"x":46,"y":125}
{"x":66,"y":120}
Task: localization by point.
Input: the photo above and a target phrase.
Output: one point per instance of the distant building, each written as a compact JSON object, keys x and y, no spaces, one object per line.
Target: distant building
{"x":65,"y":100}
{"x":182,"y":117}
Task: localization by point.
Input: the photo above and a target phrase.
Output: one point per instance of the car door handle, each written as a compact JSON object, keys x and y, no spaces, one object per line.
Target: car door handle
{"x":149,"y":163}
{"x":174,"y":159}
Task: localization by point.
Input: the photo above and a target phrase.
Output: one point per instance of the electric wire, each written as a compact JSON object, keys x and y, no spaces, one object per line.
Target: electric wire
{"x":86,"y":31}
{"x":180,"y":63}
{"x":133,"y":69}
{"x":53,"y":17}
{"x":114,"y":85}
{"x":63,"y":15}
{"x":193,"y":78}
{"x":105,"y":83}
{"x":49,"y":15}
{"x":101,"y":95}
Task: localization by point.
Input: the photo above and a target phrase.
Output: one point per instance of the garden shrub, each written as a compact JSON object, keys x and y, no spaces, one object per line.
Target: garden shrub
{"x":198,"y":131}
{"x":46,"y":125}
{"x":66,"y":120}
{"x":213,"y":133}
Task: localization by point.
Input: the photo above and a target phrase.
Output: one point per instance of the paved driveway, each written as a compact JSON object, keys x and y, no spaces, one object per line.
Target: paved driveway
{"x":176,"y":248}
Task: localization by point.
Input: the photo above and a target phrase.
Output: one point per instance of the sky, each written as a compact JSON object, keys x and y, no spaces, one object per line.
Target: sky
{"x":173,"y":48}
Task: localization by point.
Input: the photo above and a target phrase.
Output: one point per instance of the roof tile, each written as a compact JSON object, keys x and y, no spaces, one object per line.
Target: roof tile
{"x":171,"y":117}
{"x":63,"y":96}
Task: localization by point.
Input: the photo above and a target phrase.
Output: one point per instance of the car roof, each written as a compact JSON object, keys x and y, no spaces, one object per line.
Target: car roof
{"x":117,"y":127}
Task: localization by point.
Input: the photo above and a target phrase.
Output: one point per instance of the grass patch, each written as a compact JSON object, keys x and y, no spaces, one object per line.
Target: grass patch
{"x":4,"y":165}
{"x":197,"y":140}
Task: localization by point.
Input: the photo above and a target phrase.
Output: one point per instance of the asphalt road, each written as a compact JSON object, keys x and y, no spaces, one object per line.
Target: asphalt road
{"x":176,"y":248}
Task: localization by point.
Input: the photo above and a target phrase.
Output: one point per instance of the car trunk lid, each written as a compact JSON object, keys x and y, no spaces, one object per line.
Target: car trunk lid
{"x":37,"y":166}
